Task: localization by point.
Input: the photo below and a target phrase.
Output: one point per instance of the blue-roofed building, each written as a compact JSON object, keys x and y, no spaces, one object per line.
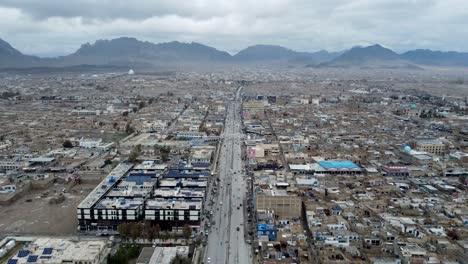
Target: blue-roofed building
{"x":187,"y":173}
{"x":32,"y":259}
{"x":47,"y":251}
{"x":267,"y":230}
{"x":125,"y":196}
{"x":337,"y":167}
{"x":12,"y":261}
{"x":23,"y":253}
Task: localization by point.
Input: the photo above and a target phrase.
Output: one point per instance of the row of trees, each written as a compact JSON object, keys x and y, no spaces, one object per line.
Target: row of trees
{"x":131,"y":231}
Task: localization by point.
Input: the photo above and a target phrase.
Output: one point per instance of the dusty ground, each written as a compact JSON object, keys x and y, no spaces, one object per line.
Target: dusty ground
{"x":32,"y":214}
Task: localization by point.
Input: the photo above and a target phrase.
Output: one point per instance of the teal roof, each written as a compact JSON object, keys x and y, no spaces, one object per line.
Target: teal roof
{"x":338,"y":164}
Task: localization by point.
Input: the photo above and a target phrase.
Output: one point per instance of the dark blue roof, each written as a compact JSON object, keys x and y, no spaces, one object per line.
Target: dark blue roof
{"x":47,"y":251}
{"x":32,"y":258}
{"x":201,"y":164}
{"x":187,"y":174}
{"x":12,"y":261}
{"x":140,"y":179}
{"x":23,"y":253}
{"x":336,"y":208}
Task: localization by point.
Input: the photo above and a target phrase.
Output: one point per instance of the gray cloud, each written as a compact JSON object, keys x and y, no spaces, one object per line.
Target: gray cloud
{"x":51,"y":27}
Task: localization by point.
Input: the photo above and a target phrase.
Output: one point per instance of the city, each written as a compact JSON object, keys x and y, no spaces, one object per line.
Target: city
{"x":136,"y":151}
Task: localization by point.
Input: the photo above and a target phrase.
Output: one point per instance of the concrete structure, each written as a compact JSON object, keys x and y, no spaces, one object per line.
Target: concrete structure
{"x":431,"y":145}
{"x":57,"y":250}
{"x":161,"y":255}
{"x":283,"y":204}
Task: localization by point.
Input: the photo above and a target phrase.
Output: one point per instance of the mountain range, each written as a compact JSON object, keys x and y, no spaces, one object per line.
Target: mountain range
{"x":133,"y":53}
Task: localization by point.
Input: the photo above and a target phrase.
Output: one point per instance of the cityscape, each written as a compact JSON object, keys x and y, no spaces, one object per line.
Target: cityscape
{"x":127,"y":151}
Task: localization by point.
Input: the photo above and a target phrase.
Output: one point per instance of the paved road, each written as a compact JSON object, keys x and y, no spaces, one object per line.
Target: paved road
{"x":226,"y":242}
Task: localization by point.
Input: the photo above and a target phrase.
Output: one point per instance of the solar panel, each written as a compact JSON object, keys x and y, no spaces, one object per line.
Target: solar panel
{"x":12,"y":261}
{"x":47,"y":251}
{"x":32,"y":258}
{"x":23,"y":253}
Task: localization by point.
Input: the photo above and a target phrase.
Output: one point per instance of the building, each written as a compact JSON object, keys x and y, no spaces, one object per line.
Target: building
{"x":175,"y":212}
{"x":335,"y":167}
{"x":170,"y":198}
{"x":9,"y":166}
{"x":58,"y":250}
{"x":161,"y":255}
{"x":433,"y":146}
{"x":394,"y":171}
{"x":95,"y":144}
{"x":201,"y":155}
{"x":95,"y":207}
{"x":283,"y":204}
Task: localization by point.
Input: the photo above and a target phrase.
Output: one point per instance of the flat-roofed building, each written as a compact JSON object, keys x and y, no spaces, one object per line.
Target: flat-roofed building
{"x":57,"y":250}
{"x":431,"y":145}
{"x":174,"y":211}
{"x":283,"y":204}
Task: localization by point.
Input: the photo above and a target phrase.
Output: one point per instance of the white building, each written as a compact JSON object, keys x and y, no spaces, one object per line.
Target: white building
{"x":57,"y":250}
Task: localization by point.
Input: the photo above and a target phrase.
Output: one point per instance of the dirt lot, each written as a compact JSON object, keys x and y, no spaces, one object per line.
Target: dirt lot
{"x":33,"y":214}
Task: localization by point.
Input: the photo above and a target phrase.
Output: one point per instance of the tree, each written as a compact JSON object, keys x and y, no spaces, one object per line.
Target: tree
{"x":157,"y":230}
{"x":124,"y":231}
{"x":187,"y":231}
{"x":453,"y":235}
{"x":150,"y":233}
{"x":129,"y":129}
{"x":180,"y":260}
{"x":134,"y":155}
{"x":135,"y":231}
{"x":67,"y":144}
{"x":141,"y":104}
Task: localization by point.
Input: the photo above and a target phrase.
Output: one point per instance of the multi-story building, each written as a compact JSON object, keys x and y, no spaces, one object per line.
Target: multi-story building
{"x":431,"y":145}
{"x":169,"y":198}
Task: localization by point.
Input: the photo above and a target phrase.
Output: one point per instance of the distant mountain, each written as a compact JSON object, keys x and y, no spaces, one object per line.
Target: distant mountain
{"x":272,"y":53}
{"x":132,"y":53}
{"x":437,"y":58}
{"x":11,"y":57}
{"x":369,"y":57}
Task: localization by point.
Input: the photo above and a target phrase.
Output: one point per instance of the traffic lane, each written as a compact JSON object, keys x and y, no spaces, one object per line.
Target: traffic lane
{"x":216,"y":252}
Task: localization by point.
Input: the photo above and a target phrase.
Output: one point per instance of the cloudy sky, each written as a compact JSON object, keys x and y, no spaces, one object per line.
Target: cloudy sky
{"x":57,"y":27}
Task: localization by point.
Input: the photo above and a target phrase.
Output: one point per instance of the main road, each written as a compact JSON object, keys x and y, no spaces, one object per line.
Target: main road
{"x":225,"y":242}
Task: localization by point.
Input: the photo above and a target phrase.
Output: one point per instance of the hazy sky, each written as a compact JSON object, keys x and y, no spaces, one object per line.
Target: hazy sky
{"x":56,"y":27}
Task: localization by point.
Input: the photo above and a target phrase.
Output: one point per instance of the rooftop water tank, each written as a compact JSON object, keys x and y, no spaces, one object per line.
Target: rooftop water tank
{"x":11,"y":244}
{"x":407,"y":149}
